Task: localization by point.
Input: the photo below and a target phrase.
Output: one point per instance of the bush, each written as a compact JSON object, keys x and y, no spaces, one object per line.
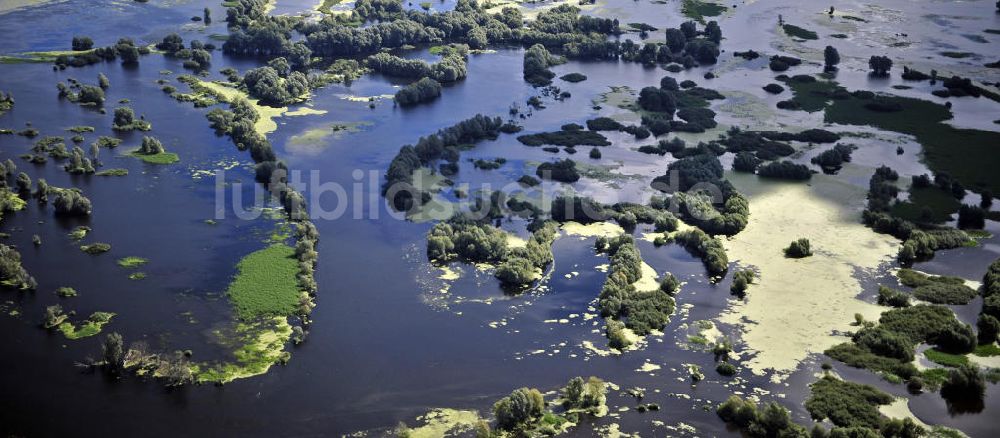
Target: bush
{"x":561,"y":170}
{"x":707,"y":248}
{"x":690,"y":171}
{"x":657,"y":100}
{"x":12,"y":273}
{"x":746,"y":162}
{"x":91,"y":95}
{"x":965,"y":382}
{"x":70,"y":202}
{"x":892,"y":297}
{"x":604,"y":124}
{"x":971,"y":217}
{"x":785,"y":170}
{"x":584,"y":394}
{"x":615,"y":332}
{"x":774,"y":88}
{"x":831,"y":160}
{"x":771,"y":421}
{"x":846,"y":404}
{"x":945,"y":293}
{"x":741,"y":281}
{"x":885,"y":343}
{"x":520,"y":407}
{"x":125,"y":120}
{"x":421,"y":91}
{"x":726,"y":369}
{"x":988,"y":327}
{"x":537,"y":61}
{"x":81,"y":43}
{"x":96,"y":248}
{"x":798,"y":249}
{"x":565,"y":138}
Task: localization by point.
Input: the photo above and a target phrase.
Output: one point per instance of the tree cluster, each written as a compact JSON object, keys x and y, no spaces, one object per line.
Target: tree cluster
{"x":266,"y":84}
{"x":125,"y":120}
{"x":559,"y":170}
{"x":12,"y":274}
{"x":451,"y":67}
{"x":707,"y":248}
{"x":785,"y":170}
{"x":421,"y":91}
{"x":125,"y":49}
{"x":399,"y":188}
{"x":640,"y":311}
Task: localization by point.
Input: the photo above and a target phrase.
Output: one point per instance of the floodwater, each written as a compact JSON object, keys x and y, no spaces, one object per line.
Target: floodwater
{"x":386,"y":345}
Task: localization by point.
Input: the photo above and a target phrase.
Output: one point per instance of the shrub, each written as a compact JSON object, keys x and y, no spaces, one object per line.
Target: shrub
{"x":561,"y":170}
{"x":726,"y":369}
{"x":746,"y":162}
{"x":518,"y":408}
{"x":798,"y":249}
{"x":785,"y":170}
{"x":421,"y":91}
{"x":893,"y":298}
{"x":846,"y":404}
{"x":945,"y":293}
{"x":657,"y":100}
{"x":537,"y":61}
{"x":964,"y":382}
{"x":707,"y":248}
{"x":741,"y":281}
{"x":96,"y":248}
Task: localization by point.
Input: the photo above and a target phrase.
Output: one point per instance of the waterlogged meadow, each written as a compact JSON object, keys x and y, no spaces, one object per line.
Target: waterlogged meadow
{"x":460,"y":218}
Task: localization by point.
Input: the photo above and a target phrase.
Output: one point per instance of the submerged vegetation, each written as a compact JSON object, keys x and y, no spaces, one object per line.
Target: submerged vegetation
{"x":265,"y":283}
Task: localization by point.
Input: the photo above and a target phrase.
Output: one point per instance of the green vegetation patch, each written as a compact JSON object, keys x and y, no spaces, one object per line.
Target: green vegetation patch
{"x":79,"y":232}
{"x":159,"y":158}
{"x":113,"y":172}
{"x":987,"y":350}
{"x":957,"y":55}
{"x":813,"y":95}
{"x":934,"y":377}
{"x":927,"y":204}
{"x":90,"y":327}
{"x":259,"y":345}
{"x":80,"y":129}
{"x":945,"y":293}
{"x":698,"y":10}
{"x":132,"y":262}
{"x":573,"y":77}
{"x":96,"y":248}
{"x":854,"y":356}
{"x":798,"y":32}
{"x":846,"y":404}
{"x":66,"y":292}
{"x":946,"y":359}
{"x":265,"y":284}
{"x":966,"y":154}
{"x":137,"y":276}
{"x":565,"y":138}
{"x":323,"y":7}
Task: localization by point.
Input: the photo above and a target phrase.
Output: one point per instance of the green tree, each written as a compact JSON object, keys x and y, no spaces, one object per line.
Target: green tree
{"x":519,"y":407}
{"x":82,"y":43}
{"x":113,"y":352}
{"x":880,"y":65}
{"x":831,"y":58}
